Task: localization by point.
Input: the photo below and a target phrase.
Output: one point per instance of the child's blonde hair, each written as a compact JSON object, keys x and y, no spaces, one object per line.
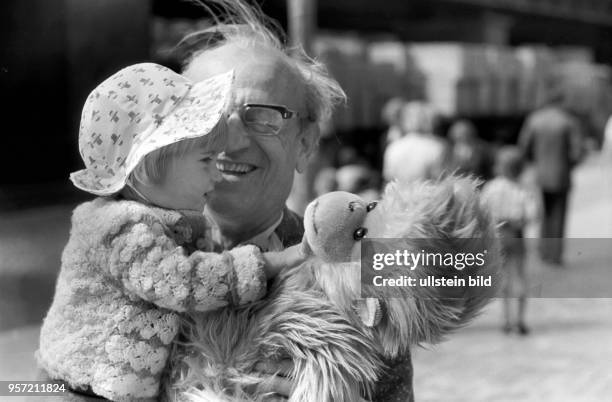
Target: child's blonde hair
{"x":153,"y":167}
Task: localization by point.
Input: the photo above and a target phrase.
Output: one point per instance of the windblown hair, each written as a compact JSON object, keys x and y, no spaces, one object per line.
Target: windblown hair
{"x":239,"y":23}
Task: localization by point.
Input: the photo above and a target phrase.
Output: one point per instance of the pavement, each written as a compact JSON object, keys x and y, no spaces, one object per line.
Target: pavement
{"x":567,"y":356}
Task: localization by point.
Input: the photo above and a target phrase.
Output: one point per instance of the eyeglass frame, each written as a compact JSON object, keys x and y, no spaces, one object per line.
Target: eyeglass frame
{"x":284,"y":111}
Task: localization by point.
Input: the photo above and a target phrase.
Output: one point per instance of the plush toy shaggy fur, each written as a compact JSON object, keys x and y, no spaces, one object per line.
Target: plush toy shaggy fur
{"x":314,"y":314}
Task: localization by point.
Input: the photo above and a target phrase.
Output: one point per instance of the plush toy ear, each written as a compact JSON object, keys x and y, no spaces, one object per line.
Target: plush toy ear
{"x":369,"y":310}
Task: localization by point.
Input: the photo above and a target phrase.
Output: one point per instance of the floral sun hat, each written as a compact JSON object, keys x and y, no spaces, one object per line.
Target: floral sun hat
{"x":138,"y":110}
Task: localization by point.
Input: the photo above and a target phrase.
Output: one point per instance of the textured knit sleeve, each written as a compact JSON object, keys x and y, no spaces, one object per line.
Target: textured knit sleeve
{"x":149,"y":265}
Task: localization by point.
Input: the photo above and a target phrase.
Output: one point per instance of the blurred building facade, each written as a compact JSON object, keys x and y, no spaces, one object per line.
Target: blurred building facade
{"x":491,"y":60}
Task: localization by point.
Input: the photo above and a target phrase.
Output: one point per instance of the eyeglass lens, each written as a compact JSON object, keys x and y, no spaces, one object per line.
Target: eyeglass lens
{"x":262,"y":120}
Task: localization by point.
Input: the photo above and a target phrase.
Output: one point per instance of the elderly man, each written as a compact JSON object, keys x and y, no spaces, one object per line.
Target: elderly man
{"x":273,"y":128}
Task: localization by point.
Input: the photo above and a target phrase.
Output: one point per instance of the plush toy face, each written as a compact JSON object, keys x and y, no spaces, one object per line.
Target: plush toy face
{"x":334,"y":223}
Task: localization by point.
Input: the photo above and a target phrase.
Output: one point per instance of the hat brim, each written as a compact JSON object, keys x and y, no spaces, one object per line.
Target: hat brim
{"x":196,"y":115}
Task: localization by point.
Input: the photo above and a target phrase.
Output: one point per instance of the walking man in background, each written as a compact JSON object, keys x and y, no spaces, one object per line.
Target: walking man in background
{"x":552,"y":139}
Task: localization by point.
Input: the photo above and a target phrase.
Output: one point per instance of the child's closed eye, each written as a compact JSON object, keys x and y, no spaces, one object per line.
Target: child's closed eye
{"x":208,"y":158}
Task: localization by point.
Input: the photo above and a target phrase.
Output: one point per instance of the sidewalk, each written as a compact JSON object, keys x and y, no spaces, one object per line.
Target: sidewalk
{"x":568,"y":355}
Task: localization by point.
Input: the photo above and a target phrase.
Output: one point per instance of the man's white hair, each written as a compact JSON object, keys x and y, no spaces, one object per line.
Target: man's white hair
{"x":236,"y":22}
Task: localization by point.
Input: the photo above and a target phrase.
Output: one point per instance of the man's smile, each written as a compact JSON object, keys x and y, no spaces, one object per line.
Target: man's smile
{"x":234,"y":168}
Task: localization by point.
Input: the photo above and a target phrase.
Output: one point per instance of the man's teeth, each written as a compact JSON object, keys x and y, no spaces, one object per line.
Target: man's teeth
{"x":234,"y":167}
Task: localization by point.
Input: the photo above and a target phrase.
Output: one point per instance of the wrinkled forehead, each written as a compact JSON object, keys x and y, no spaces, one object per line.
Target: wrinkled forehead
{"x":262,"y":74}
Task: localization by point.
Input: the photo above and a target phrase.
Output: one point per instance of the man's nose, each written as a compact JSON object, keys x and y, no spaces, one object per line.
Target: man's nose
{"x":237,"y":136}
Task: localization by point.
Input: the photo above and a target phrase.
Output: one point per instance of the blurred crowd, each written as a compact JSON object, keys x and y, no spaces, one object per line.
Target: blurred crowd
{"x":414,"y":147}
{"x":419,"y":145}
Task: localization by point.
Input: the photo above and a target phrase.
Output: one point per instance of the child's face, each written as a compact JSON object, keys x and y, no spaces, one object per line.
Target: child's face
{"x":187,"y":183}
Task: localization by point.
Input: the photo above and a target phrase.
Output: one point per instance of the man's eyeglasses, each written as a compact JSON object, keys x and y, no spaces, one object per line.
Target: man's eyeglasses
{"x":265,"y":120}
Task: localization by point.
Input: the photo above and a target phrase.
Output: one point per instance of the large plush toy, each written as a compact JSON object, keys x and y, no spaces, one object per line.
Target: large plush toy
{"x":314,"y":314}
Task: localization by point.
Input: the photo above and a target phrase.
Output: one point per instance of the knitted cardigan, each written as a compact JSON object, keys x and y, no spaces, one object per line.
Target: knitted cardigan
{"x":125,"y":273}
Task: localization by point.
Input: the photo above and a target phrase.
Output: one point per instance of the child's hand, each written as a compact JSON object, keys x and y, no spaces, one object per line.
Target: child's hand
{"x":295,"y":255}
{"x":289,"y":257}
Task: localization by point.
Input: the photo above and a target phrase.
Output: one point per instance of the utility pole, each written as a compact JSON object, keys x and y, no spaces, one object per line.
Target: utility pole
{"x":302,"y":22}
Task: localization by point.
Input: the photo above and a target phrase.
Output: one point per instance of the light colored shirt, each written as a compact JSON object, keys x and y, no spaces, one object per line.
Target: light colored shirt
{"x":414,"y":157}
{"x":509,"y":202}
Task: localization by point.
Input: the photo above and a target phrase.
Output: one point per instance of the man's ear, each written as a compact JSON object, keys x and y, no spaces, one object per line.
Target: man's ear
{"x":308,"y":140}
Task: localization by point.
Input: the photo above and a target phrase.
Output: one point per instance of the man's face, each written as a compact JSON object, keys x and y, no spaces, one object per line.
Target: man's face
{"x":257,"y":170}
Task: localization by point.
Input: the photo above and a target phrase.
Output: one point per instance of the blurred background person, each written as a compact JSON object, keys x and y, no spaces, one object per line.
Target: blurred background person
{"x":513,"y":207}
{"x":391,"y":113}
{"x":419,"y":154}
{"x":468,"y":153}
{"x":359,"y":179}
{"x":552,"y":139}
{"x":325,"y":182}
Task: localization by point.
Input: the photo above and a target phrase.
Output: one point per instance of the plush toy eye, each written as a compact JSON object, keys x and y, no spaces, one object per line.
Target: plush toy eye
{"x":371,"y":206}
{"x":360,"y":233}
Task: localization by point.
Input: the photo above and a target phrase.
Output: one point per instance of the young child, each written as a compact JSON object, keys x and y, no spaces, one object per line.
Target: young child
{"x":148,"y":138}
{"x":512,"y":207}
